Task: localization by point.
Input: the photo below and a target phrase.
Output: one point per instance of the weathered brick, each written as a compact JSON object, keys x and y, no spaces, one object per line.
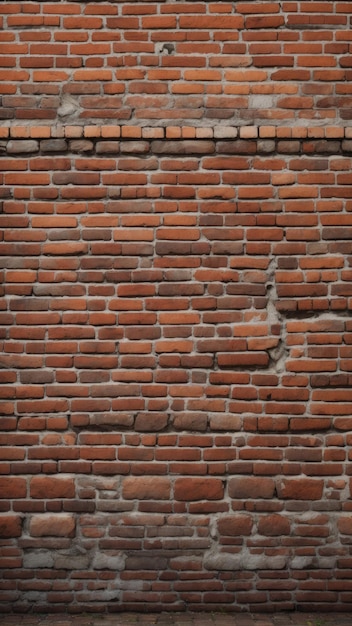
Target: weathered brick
{"x":48,"y":487}
{"x":71,"y":562}
{"x":198,"y":489}
{"x":62,"y":525}
{"x":251,"y":487}
{"x":235,"y":525}
{"x":345,"y":526}
{"x":274,"y":525}
{"x":183,"y":147}
{"x":146,"y":488}
{"x":300,"y":488}
{"x":176,"y":281}
{"x":10,"y":526}
{"x":109,"y":561}
{"x":53,"y":145}
{"x":13,"y":487}
{"x":16,"y":146}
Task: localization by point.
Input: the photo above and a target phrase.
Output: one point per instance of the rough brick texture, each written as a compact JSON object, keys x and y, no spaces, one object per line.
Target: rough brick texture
{"x":176,"y":269}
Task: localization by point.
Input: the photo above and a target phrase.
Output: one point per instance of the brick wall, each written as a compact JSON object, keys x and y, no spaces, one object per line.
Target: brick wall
{"x":175,"y":324}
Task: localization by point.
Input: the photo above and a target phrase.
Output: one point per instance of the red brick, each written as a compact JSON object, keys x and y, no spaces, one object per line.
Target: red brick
{"x":263,"y":21}
{"x":49,"y":487}
{"x":13,"y":487}
{"x":300,"y":488}
{"x":274,"y":525}
{"x":10,"y":526}
{"x":146,"y":488}
{"x":235,"y":525}
{"x":251,"y":487}
{"x":62,"y":525}
{"x":191,"y":489}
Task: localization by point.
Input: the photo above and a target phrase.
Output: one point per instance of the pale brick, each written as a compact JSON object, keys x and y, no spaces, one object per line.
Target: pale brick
{"x":38,"y":559}
{"x":185,"y":146}
{"x":71,"y":562}
{"x":109,"y":560}
{"x":53,"y":145}
{"x":22,"y":146}
{"x":81,"y":145}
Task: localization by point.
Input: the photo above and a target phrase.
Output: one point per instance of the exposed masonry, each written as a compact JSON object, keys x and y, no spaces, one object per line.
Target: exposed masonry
{"x":142,"y":62}
{"x":176,"y":365}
